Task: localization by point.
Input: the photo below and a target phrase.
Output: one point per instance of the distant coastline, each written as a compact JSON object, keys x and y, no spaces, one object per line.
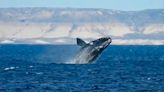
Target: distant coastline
{"x":63,"y":25}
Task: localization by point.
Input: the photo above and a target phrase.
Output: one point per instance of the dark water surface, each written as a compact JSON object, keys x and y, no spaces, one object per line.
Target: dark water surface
{"x":42,"y":68}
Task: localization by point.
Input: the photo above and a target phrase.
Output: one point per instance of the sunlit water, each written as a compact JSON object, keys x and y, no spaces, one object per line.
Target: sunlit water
{"x":44,"y":68}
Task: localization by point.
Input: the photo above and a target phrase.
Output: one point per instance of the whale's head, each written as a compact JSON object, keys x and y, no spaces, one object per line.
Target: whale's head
{"x":100,"y":43}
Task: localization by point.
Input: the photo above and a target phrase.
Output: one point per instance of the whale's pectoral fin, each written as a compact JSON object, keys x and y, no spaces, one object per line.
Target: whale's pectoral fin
{"x":80,"y":42}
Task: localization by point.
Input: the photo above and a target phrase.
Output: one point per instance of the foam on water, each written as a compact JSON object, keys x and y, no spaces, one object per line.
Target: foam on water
{"x":10,"y":68}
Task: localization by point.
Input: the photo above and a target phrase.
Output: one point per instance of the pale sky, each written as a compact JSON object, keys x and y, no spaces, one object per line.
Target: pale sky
{"x":105,"y":4}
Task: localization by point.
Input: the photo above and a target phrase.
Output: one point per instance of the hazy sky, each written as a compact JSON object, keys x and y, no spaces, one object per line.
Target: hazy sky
{"x":106,"y":4}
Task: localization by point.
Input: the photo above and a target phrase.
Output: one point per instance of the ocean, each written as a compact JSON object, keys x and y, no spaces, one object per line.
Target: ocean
{"x":46,"y":68}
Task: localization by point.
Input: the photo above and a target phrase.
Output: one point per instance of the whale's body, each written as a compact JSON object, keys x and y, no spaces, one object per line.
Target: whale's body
{"x":90,"y":51}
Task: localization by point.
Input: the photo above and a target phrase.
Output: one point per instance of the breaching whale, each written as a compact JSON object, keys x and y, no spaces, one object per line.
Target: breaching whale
{"x":90,"y":51}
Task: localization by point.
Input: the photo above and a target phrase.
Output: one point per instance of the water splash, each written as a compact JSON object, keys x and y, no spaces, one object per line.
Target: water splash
{"x":81,"y":58}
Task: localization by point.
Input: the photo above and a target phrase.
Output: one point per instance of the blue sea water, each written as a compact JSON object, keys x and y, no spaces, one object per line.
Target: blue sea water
{"x":43,"y":68}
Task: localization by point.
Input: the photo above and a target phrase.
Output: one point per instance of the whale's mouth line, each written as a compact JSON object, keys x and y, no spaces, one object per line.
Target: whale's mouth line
{"x":106,"y":43}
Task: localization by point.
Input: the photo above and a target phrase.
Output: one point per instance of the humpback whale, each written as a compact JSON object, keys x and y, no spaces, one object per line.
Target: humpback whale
{"x":90,"y":51}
